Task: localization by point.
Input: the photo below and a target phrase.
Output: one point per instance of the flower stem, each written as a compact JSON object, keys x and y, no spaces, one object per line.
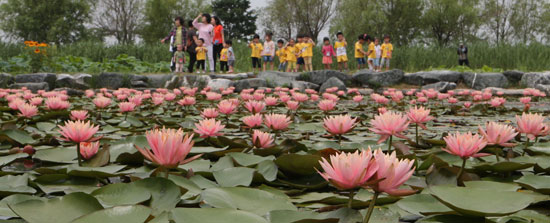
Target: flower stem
{"x":416,"y":133}
{"x":166,"y":172}
{"x":525,"y":147}
{"x":350,"y":201}
{"x":371,"y":207}
{"x":247,"y":149}
{"x":461,"y":171}
{"x":340,"y":140}
{"x":389,"y":144}
{"x":78,"y":154}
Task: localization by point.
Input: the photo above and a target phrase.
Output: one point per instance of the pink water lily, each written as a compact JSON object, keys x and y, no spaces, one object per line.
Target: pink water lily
{"x":253,"y":121}
{"x":389,"y":124}
{"x":532,"y":125}
{"x":339,"y":124}
{"x":498,"y":134}
{"x":327,"y":105}
{"x":88,"y":149}
{"x":168,"y":147}
{"x":465,"y":145}
{"x":27,"y":110}
{"x":254,"y":106}
{"x":209,"y":128}
{"x":79,"y":115}
{"x":349,"y":170}
{"x":78,"y":131}
{"x":102,"y":102}
{"x":419,"y":116}
{"x":277,"y":121}
{"x":262,"y":139}
{"x":391,"y":174}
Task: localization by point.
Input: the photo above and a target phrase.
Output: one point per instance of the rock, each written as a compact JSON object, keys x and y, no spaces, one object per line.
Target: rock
{"x":544,"y":88}
{"x":71,"y":91}
{"x":34,"y":87}
{"x":531,"y":80}
{"x":321,"y":76}
{"x":138,"y":81}
{"x":484,"y":80}
{"x":6,"y":80}
{"x":366,"y":91}
{"x":278,"y":79}
{"x":333,"y":82}
{"x":158,"y":80}
{"x":37,"y":78}
{"x":514,"y":76}
{"x":68,"y":81}
{"x":441,"y":86}
{"x":216,"y":84}
{"x":248,"y":83}
{"x":302,"y":85}
{"x":430,"y":77}
{"x":238,"y":76}
{"x":506,"y":92}
{"x":84,"y":79}
{"x":113,"y":80}
{"x":382,"y":79}
{"x":199,"y":81}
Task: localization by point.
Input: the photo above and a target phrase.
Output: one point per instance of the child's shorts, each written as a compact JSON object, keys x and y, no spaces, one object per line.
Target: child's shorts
{"x":342,"y":58}
{"x":361,"y":61}
{"x":282,"y":66}
{"x":385,"y":61}
{"x":376,"y":62}
{"x":291,"y":65}
{"x":231,"y":63}
{"x":256,"y":62}
{"x":327,"y":60}
{"x":307,"y":60}
{"x":300,"y":61}
{"x":267,"y":59}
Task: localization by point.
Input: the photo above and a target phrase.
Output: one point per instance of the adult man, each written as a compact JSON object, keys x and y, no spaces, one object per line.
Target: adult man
{"x":463,"y":55}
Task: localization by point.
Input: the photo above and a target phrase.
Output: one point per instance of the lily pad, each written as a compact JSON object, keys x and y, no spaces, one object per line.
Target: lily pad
{"x":537,"y":183}
{"x":298,"y":164}
{"x":10,"y":184}
{"x":234,"y":176}
{"x":164,"y":193}
{"x":248,"y":199}
{"x":423,"y":204}
{"x":10,"y":158}
{"x":133,"y":213}
{"x":214,"y":215}
{"x":121,"y":194}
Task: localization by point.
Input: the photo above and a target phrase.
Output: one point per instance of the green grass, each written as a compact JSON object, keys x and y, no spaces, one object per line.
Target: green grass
{"x":482,"y":57}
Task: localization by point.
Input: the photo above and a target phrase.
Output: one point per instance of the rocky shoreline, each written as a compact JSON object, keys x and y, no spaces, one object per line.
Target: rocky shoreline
{"x":441,"y":80}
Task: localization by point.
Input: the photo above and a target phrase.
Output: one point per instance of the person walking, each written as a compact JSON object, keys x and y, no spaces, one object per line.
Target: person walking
{"x":178,"y":36}
{"x":218,"y":39}
{"x":463,"y":55}
{"x":191,"y":45}
{"x":206,"y":32}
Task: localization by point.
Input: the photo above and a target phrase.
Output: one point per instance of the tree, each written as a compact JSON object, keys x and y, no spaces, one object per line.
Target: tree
{"x":497,"y":15}
{"x":527,"y":19}
{"x":58,"y":21}
{"x":276,"y":18}
{"x":447,"y":20}
{"x":159,"y":16}
{"x":119,"y":18}
{"x":397,"y":18}
{"x":238,"y":19}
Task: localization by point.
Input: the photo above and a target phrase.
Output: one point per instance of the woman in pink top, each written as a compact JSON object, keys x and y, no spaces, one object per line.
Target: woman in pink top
{"x":206,"y":32}
{"x":328,"y":53}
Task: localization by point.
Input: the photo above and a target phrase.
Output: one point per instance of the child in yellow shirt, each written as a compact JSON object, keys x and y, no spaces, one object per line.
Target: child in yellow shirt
{"x":300,"y":52}
{"x":257,"y":49}
{"x":281,"y":54}
{"x":371,"y":53}
{"x":387,"y":50}
{"x":359,"y":52}
{"x":290,"y":55}
{"x":308,"y":53}
{"x":223,"y":58}
{"x":341,"y":54}
{"x":201,"y":56}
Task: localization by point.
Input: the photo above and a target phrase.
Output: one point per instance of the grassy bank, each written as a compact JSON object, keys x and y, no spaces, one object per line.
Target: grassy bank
{"x":97,"y":57}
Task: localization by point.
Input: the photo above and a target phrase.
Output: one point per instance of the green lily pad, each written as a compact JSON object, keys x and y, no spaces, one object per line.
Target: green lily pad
{"x":121,"y":194}
{"x":214,"y":215}
{"x":491,"y":185}
{"x":451,"y":219}
{"x":537,"y":183}
{"x":481,"y":202}
{"x":106,"y":171}
{"x":298,"y":164}
{"x":133,"y":213}
{"x":503,"y":166}
{"x":245,"y":159}
{"x":57,"y":210}
{"x":45,"y":126}
{"x":191,"y":187}
{"x":268,"y":169}
{"x":286,"y":216}
{"x":248,"y":199}
{"x":10,"y":158}
{"x":57,"y":155}
{"x":234,"y":176}
{"x":423,"y":204}
{"x":164,"y":193}
{"x":18,"y":135}
{"x":13,"y":199}
{"x":10,"y":184}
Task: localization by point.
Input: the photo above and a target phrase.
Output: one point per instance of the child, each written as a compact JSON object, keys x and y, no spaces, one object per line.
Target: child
{"x":299,"y":47}
{"x":291,"y":51}
{"x":257,"y":48}
{"x":179,"y":58}
{"x":328,"y":53}
{"x":201,"y":56}
{"x":281,"y":54}
{"x":308,"y":53}
{"x":341,"y":54}
{"x":371,"y":53}
{"x":387,"y":50}
{"x":268,"y":53}
{"x":223,"y":58}
{"x":378,"y":52}
{"x":230,"y":55}
{"x":359,"y":52}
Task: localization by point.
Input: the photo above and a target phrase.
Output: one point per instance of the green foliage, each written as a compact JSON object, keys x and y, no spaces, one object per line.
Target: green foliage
{"x":59,"y":21}
{"x":238,"y":20}
{"x":449,"y":19}
{"x":160,"y":14}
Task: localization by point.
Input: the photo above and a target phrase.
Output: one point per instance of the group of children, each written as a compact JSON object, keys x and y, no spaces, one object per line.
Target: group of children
{"x":294,"y":56}
{"x":227,"y":57}
{"x":298,"y":56}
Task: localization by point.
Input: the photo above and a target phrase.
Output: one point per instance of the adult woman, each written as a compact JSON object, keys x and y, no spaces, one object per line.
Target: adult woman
{"x":218,"y":38}
{"x":206,"y":32}
{"x":178,"y":36}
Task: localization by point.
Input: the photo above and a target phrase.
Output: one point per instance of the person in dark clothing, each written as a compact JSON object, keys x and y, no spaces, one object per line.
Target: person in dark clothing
{"x":178,"y":36}
{"x":463,"y":55}
{"x":191,"y":45}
